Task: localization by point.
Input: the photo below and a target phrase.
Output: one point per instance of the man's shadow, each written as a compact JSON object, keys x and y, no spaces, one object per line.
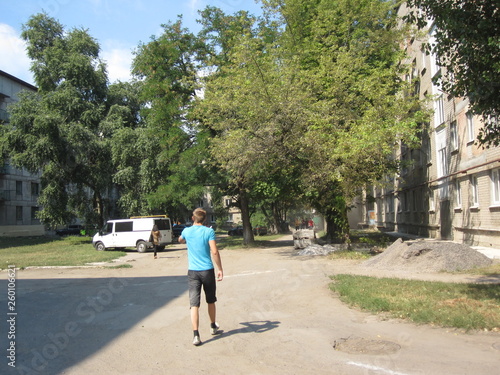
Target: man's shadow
{"x":248,"y":327}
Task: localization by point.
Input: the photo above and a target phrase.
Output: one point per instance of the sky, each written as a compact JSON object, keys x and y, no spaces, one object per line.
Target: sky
{"x":119,"y":26}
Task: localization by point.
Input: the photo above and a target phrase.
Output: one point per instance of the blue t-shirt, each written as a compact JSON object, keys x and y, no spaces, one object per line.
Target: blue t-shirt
{"x":197,"y":237}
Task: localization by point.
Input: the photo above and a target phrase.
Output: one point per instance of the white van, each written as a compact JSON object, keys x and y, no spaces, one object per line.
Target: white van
{"x":133,"y":232}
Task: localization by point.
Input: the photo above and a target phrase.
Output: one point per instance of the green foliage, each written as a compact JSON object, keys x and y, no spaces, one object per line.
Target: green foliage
{"x":470,"y":55}
{"x":55,"y":131}
{"x":165,"y":174}
{"x":348,"y":54}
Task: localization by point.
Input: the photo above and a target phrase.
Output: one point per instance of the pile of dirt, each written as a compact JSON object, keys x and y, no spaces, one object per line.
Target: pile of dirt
{"x":428,"y":256}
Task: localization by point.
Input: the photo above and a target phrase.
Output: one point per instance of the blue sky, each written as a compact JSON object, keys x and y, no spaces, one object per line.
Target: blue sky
{"x":118,"y":25}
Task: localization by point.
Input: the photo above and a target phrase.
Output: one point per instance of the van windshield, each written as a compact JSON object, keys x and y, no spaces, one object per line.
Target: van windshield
{"x":107,"y":228}
{"x":163,"y":224}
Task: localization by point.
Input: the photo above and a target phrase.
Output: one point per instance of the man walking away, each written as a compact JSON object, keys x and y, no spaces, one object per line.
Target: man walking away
{"x":202,"y":254}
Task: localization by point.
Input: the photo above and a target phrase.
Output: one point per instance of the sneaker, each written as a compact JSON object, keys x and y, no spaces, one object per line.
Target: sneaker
{"x":196,"y":341}
{"x":215,"y":330}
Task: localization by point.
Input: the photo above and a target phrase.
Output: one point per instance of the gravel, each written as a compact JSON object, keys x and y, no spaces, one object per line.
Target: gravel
{"x":428,"y":256}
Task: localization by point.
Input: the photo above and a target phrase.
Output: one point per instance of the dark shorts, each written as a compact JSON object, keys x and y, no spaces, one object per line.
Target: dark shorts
{"x":197,"y":279}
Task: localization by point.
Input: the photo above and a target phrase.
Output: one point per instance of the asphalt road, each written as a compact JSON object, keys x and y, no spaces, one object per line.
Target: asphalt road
{"x":276,"y":311}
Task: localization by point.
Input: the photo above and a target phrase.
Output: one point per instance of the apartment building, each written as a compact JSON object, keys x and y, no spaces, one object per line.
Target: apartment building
{"x":19,"y":189}
{"x":223,"y":213}
{"x":450,"y":187}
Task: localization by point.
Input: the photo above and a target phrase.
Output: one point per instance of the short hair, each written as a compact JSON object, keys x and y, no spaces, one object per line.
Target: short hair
{"x":199,"y":215}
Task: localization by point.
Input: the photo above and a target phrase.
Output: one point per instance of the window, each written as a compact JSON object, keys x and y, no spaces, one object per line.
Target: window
{"x":406,"y":201}
{"x":432,"y":204}
{"x":200,"y":203}
{"x":125,"y":226}
{"x":470,"y":127}
{"x":19,"y":188}
{"x":454,"y":136}
{"x":495,"y":186}
{"x":423,"y":55}
{"x":434,"y":67}
{"x":390,"y":202}
{"x":439,"y":111}
{"x":35,"y":189}
{"x":34,"y":211}
{"x":162,"y":224}
{"x":427,"y":148}
{"x":442,"y":163}
{"x":458,"y":194}
{"x":228,"y":202}
{"x":19,"y":213}
{"x":474,"y":191}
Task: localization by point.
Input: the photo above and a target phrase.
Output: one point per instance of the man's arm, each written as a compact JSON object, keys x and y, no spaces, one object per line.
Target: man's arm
{"x":216,"y":259}
{"x":181,"y":240}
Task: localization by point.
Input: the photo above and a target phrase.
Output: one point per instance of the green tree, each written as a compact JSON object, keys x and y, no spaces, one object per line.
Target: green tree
{"x":57,"y":130}
{"x":467,"y":45}
{"x":255,"y":106}
{"x":165,"y":169}
{"x":350,"y":56}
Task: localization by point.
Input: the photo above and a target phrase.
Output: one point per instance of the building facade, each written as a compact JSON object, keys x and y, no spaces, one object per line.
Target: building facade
{"x":19,"y":189}
{"x":450,"y":187}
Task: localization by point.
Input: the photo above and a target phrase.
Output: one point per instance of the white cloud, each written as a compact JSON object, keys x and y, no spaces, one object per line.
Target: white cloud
{"x":119,"y":62}
{"x":13,"y":59}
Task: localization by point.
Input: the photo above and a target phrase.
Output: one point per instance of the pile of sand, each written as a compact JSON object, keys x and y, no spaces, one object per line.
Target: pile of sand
{"x":428,"y":256}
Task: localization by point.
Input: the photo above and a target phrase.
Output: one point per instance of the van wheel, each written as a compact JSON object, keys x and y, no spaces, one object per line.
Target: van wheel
{"x":100,"y":246}
{"x":161,"y":248}
{"x":142,"y":246}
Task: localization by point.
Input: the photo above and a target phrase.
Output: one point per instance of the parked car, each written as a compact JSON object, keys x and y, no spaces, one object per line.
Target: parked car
{"x":238,"y":231}
{"x":260,"y":230}
{"x":177,"y":229}
{"x":70,"y":230}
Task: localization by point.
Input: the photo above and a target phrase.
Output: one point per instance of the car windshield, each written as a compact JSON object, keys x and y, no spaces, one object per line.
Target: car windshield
{"x":107,"y":228}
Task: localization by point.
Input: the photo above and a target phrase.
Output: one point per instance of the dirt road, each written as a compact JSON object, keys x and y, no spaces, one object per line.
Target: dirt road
{"x":275,"y":308}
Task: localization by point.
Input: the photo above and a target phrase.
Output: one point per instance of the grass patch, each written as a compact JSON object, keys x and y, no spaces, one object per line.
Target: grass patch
{"x":236,"y":242}
{"x":464,"y":306}
{"x":45,"y":252}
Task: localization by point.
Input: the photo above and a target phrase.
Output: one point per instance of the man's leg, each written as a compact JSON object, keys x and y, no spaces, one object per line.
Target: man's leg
{"x":195,"y":317}
{"x":194,"y":301}
{"x":212,"y":312}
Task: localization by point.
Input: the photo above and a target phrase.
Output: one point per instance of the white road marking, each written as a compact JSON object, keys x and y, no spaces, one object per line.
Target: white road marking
{"x":375,"y":368}
{"x":251,"y":273}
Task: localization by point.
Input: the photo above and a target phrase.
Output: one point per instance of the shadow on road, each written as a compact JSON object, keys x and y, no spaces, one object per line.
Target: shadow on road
{"x":248,"y":327}
{"x":60,"y":322}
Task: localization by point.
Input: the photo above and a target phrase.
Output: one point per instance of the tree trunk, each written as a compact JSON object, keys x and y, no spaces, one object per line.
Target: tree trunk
{"x":337,"y":226}
{"x":248,"y":238}
{"x":99,"y":207}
